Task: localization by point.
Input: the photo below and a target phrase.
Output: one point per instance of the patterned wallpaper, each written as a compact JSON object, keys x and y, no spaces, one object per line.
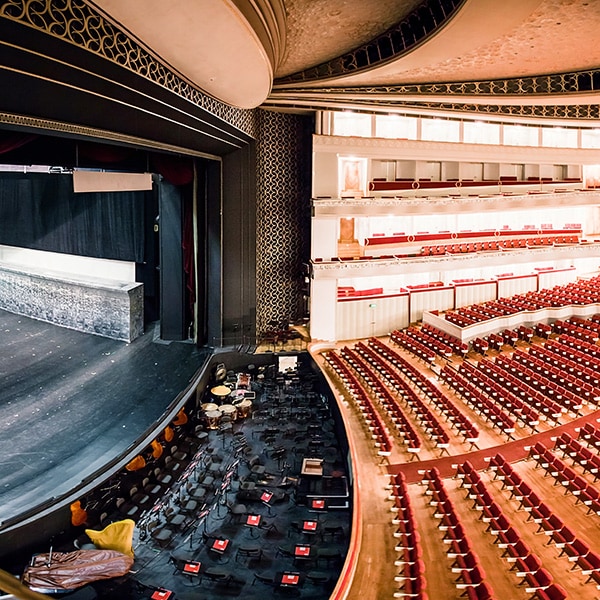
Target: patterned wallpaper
{"x":283,"y":156}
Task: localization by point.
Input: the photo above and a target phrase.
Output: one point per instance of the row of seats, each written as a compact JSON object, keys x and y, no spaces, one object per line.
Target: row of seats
{"x":555,"y":381}
{"x":496,"y":245}
{"x":585,"y":353}
{"x":361,"y":398}
{"x":501,"y":395}
{"x":478,"y":401}
{"x":426,"y":418}
{"x":458,"y":347}
{"x":554,"y":355}
{"x":422,"y":336}
{"x":457,"y":419}
{"x":577,"y":329}
{"x":525,"y":386}
{"x":584,"y":492}
{"x":589,"y":461}
{"x":582,"y":292}
{"x":582,"y":362}
{"x":538,"y":389}
{"x":566,"y":541}
{"x":388,"y":402}
{"x":409,"y":343}
{"x":590,"y":434}
{"x":411,"y":574}
{"x":527,"y":564}
{"x":471,"y":575}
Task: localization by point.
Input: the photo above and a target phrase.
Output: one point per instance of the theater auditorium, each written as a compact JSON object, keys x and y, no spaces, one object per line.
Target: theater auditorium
{"x":300,"y":299}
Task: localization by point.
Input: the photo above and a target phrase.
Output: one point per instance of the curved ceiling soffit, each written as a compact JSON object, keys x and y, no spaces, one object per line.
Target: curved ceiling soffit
{"x":572,"y":95}
{"x":244,"y":46}
{"x":268,"y":20}
{"x":397,"y":41}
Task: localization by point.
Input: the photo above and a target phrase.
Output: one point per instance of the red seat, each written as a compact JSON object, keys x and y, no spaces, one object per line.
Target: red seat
{"x":479,"y":592}
{"x":540,"y":580}
{"x":529,"y":565}
{"x":552,"y":592}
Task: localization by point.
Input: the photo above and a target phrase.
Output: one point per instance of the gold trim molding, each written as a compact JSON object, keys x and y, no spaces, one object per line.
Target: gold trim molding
{"x":104,"y":135}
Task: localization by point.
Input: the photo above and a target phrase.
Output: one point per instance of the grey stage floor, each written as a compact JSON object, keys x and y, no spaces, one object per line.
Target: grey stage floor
{"x":72,"y":402}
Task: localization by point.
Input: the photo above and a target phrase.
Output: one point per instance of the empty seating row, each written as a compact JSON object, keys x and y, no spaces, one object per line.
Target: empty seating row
{"x":590,"y":434}
{"x":564,"y":538}
{"x":584,"y":492}
{"x":578,"y":453}
{"x":576,"y":330}
{"x":494,"y":245}
{"x":471,"y":574}
{"x":585,"y":353}
{"x":387,"y":400}
{"x":407,"y":342}
{"x":537,"y":387}
{"x":554,"y":382}
{"x":378,"y":430}
{"x":527,"y":564}
{"x":580,"y":293}
{"x":446,"y":407}
{"x":411,"y":574}
{"x":552,"y":353}
{"x":458,"y":347}
{"x":500,"y":392}
{"x":477,"y":400}
{"x":426,"y":418}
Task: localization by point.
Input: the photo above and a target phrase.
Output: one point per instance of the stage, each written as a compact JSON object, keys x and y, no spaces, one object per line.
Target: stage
{"x":72,"y":403}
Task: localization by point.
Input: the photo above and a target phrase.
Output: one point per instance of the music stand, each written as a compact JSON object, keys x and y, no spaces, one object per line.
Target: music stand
{"x":266,"y":498}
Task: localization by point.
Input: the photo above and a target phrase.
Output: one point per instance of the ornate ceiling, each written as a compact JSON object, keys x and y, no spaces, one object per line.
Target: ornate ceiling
{"x":532,"y":58}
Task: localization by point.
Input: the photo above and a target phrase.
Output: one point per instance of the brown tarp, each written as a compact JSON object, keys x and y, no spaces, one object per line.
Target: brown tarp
{"x":70,"y":570}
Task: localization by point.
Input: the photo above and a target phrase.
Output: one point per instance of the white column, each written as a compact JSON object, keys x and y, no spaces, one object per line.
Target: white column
{"x":323,"y":303}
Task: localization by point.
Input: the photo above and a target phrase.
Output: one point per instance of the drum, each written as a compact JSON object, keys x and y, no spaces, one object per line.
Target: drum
{"x":208,"y":406}
{"x":213,"y":419}
{"x":243,"y":381}
{"x":244,"y":408}
{"x":220,"y":392}
{"x":229,"y":410}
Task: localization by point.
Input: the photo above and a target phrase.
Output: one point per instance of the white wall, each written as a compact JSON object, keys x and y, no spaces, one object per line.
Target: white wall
{"x":81,"y":266}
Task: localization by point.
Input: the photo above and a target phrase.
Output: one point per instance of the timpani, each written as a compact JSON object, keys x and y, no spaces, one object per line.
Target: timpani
{"x":244,"y":408}
{"x":220,"y":392}
{"x":213,"y":419}
{"x":228,"y":410}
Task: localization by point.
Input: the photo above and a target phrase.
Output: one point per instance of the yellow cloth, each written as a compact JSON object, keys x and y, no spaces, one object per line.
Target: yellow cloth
{"x":116,"y":536}
{"x":136,"y":463}
{"x":157,"y":449}
{"x":169,"y":434}
{"x":78,"y":514}
{"x":181,"y":418}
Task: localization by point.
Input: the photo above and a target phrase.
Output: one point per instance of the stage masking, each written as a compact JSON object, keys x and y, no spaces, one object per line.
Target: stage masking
{"x":105,"y":181}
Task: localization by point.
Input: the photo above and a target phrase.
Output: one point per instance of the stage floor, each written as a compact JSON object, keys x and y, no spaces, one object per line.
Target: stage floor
{"x":71,"y":402}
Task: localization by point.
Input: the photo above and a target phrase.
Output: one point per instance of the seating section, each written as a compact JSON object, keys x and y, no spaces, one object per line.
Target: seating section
{"x":363,"y":402}
{"x":456,"y":418}
{"x":534,"y":386}
{"x":411,"y":574}
{"x":584,"y":492}
{"x":579,"y":293}
{"x":465,"y":562}
{"x":482,"y":404}
{"x":413,"y":344}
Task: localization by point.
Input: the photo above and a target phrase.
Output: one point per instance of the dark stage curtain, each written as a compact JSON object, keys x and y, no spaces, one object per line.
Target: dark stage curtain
{"x":42,"y":212}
